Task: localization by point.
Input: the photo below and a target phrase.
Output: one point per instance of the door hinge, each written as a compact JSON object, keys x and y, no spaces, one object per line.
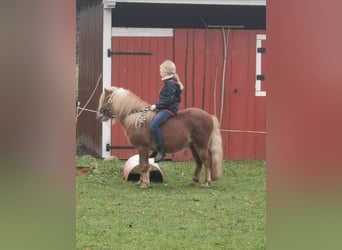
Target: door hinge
{"x":129,"y":53}
{"x":109,"y":147}
{"x":261,"y":50}
{"x":260,"y":77}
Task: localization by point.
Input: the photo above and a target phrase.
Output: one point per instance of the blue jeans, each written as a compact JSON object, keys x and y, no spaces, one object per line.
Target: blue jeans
{"x":160,"y":118}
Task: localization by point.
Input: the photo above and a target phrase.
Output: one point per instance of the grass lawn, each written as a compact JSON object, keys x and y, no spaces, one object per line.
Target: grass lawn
{"x":114,"y":214}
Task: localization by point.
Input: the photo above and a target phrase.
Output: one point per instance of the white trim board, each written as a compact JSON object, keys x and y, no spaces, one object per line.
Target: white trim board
{"x":106,"y":76}
{"x":141,"y":32}
{"x":258,"y":91}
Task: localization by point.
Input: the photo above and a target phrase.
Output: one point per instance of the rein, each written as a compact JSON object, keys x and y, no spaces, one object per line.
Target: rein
{"x":142,"y":119}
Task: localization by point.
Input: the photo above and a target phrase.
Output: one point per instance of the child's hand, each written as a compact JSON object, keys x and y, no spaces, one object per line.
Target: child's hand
{"x":153,"y":107}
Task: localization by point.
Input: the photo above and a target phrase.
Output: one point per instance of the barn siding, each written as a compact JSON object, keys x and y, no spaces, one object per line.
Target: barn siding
{"x":140,"y":74}
{"x":199,"y":56}
{"x":89,"y":130}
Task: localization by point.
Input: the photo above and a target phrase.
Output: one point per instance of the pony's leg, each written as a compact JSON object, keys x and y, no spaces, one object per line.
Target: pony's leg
{"x":197,"y":174}
{"x":144,"y":181}
{"x":205,"y":157}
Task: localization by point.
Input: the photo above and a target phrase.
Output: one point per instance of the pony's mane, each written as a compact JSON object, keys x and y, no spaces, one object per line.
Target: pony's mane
{"x":125,"y":103}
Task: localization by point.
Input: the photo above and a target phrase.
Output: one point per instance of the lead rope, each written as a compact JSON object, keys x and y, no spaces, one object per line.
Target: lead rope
{"x":91,"y":96}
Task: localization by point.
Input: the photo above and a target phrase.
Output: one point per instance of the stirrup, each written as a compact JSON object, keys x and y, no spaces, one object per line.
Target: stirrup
{"x":159,"y":157}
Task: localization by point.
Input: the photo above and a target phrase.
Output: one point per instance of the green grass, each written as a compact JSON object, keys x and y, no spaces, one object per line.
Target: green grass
{"x":114,"y":214}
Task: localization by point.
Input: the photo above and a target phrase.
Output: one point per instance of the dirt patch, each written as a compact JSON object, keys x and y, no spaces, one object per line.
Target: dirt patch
{"x":83,"y":170}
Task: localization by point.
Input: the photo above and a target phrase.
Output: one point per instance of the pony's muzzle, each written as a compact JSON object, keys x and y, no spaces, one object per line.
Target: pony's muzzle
{"x":103,"y":118}
{"x":99,"y":116}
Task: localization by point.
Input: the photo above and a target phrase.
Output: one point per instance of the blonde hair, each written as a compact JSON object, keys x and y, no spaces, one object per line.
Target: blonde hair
{"x":169,"y":68}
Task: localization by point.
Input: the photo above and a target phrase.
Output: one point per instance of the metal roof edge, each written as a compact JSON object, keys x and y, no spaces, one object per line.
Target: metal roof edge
{"x":112,"y":3}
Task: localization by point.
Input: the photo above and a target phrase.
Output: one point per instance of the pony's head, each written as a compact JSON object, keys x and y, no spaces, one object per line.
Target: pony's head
{"x":104,"y":110}
{"x":122,"y":104}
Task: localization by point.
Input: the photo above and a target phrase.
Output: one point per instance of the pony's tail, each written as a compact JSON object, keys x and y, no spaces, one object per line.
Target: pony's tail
{"x":215,"y":150}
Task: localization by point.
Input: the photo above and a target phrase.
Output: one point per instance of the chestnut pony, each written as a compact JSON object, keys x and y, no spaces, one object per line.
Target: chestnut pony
{"x":191,"y":127}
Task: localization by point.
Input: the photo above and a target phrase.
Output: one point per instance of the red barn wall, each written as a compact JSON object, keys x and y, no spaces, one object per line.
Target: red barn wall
{"x":228,"y":92}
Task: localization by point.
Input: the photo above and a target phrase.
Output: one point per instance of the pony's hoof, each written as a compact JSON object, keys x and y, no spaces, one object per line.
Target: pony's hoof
{"x":143,"y":186}
{"x":205,"y":185}
{"x":137,"y":183}
{"x":193,"y":183}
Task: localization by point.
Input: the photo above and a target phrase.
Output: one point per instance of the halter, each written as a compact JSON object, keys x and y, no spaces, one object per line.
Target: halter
{"x":106,"y":110}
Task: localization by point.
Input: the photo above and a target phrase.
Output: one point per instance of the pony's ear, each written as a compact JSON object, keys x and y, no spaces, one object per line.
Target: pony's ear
{"x":107,"y":91}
